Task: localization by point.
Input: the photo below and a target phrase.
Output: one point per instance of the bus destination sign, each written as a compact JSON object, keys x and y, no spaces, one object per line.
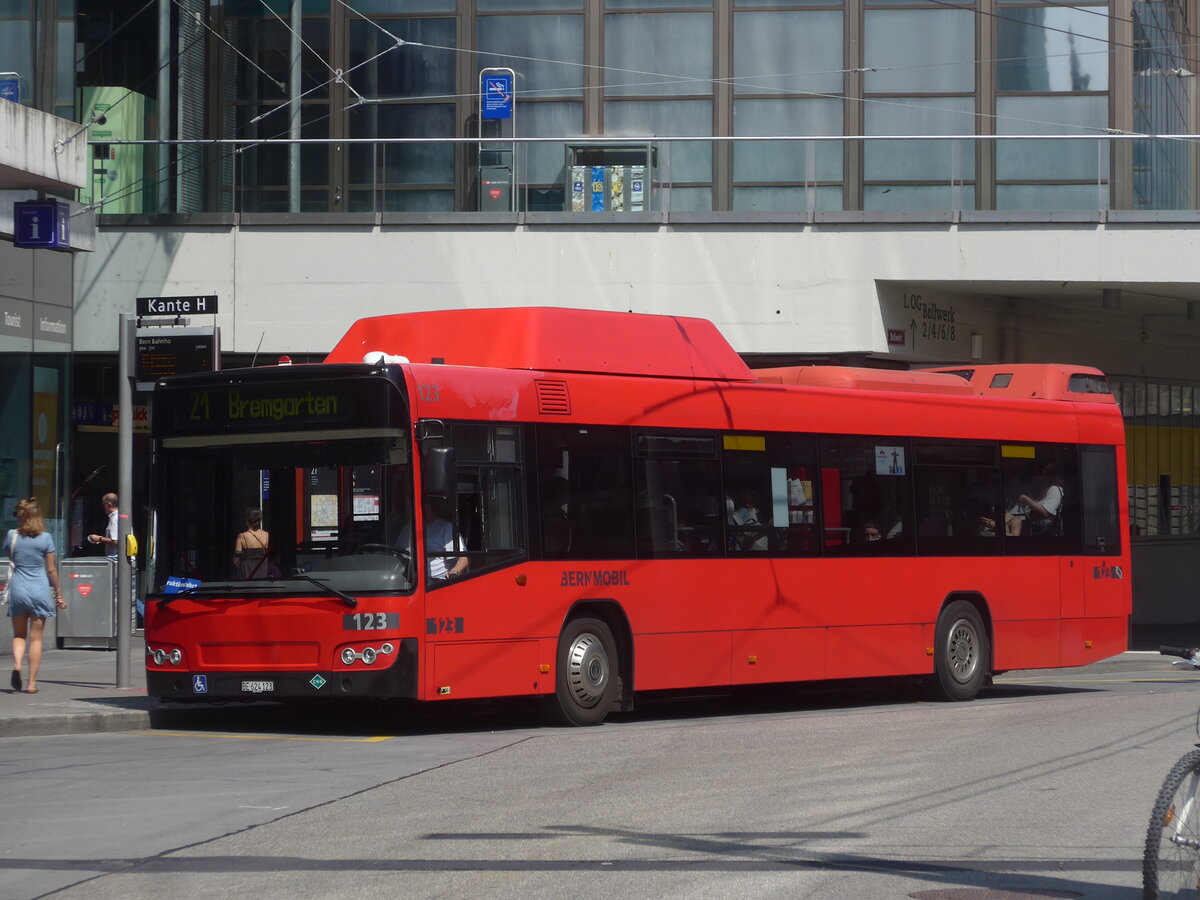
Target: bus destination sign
{"x":203,"y":305}
{"x":297,"y":404}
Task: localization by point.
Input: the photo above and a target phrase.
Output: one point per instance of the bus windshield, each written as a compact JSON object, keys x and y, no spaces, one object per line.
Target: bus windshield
{"x":252,"y":508}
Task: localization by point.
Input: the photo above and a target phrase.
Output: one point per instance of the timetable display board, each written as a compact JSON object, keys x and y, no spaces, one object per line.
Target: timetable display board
{"x":174,"y":351}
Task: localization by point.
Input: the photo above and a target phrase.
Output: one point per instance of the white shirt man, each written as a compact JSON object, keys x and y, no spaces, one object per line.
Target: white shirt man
{"x":440,"y":547}
{"x":109,"y":538}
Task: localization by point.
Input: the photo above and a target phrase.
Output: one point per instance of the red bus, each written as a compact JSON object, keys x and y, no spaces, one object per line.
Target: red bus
{"x":614,"y":503}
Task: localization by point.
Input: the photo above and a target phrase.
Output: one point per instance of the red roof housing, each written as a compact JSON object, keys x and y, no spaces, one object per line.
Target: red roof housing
{"x":550,"y":339}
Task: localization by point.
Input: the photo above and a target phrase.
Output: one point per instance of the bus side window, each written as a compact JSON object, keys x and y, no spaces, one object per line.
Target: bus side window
{"x":874,"y":516}
{"x":1100,"y":512}
{"x":488,"y":506}
{"x":956,"y":510}
{"x":770,"y":494}
{"x":584,"y":499}
{"x":679,"y":507}
{"x":1047,"y":475}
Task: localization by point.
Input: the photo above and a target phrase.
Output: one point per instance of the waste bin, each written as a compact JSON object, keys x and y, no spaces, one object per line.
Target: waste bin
{"x":495,"y":179}
{"x":495,"y":189}
{"x":90,"y":619}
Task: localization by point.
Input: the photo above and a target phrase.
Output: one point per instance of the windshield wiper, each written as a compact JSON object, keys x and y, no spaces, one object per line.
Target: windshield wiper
{"x":227,"y":586}
{"x":197,"y":589}
{"x":346,"y":598}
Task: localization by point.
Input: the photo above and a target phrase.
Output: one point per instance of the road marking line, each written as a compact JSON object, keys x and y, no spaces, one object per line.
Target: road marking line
{"x":1085,"y":680}
{"x":265,"y":737}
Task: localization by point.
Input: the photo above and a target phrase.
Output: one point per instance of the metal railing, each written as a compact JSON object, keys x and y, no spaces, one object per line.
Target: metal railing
{"x":742,"y":175}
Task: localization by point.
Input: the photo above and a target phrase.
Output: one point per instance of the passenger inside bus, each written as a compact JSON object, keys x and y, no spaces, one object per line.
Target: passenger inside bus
{"x":873,"y":499}
{"x":747,"y":528}
{"x":251,"y":548}
{"x":1036,"y":512}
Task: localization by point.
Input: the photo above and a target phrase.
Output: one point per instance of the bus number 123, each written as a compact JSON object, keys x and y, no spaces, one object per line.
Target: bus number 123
{"x":370,"y":621}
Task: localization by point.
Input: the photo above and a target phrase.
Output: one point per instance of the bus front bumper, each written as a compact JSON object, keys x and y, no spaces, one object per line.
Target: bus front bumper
{"x":397,"y":680}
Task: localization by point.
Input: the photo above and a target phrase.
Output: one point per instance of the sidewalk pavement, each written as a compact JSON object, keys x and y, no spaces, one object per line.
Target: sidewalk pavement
{"x":77,"y":691}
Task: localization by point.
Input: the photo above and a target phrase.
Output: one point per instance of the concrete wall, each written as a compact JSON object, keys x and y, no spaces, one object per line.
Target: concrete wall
{"x":770,"y":288}
{"x":37,"y":150}
{"x":36,"y":293}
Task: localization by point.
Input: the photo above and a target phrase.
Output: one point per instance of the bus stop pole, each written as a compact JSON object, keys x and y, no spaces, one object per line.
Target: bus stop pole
{"x":127,"y":339}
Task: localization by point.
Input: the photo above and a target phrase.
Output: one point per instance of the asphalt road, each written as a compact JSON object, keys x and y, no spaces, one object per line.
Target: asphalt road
{"x":1042,"y":788}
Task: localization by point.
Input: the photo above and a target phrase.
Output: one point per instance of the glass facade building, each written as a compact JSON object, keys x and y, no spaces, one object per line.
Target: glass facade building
{"x":397,"y":82}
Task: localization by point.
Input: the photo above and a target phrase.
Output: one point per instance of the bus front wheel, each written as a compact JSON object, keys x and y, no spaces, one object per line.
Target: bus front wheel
{"x":961,"y":654}
{"x":585,"y":684}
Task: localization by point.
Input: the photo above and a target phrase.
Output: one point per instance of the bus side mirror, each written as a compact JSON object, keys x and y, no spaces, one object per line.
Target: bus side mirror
{"x":439,"y":477}
{"x":430,"y":430}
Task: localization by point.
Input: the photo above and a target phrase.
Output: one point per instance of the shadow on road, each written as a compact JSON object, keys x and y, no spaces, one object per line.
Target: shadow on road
{"x":373,"y":718}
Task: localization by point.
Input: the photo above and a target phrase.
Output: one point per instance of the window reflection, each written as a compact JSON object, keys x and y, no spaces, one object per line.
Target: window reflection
{"x":268,"y":45}
{"x":1046,"y":160}
{"x":678,"y":161}
{"x":408,"y":71}
{"x":425,"y":163}
{"x":787,"y":160}
{"x":543,"y":163}
{"x":920,"y":160}
{"x":900,"y":43}
{"x":656,"y":55}
{"x":1046,"y":48}
{"x":768,"y":45}
{"x":547,"y":51}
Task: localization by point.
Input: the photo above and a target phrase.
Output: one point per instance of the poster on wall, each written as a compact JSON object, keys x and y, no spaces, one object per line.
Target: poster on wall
{"x":44,"y":436}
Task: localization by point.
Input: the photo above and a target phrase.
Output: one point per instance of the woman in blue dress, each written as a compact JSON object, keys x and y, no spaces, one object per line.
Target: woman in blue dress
{"x":33,"y":594}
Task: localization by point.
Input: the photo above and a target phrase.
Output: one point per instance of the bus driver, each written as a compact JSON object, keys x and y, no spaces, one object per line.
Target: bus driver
{"x":441,"y":546}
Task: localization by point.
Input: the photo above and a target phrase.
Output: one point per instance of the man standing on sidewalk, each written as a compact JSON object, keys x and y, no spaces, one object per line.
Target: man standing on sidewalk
{"x":109,"y":540}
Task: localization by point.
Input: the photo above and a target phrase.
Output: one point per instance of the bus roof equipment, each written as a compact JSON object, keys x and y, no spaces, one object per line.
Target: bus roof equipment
{"x":549,"y":339}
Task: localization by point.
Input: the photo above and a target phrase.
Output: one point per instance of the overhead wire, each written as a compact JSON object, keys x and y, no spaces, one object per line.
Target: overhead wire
{"x":662,"y":78}
{"x":220,"y":37}
{"x":90,"y":206}
{"x":667,"y":79}
{"x":138,"y":187}
{"x":338,"y":75}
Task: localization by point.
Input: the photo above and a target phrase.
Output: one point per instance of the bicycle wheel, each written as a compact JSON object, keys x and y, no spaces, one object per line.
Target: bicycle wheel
{"x":1171,"y":864}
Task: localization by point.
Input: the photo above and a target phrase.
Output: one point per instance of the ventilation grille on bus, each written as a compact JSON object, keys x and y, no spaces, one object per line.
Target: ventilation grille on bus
{"x":553,"y":398}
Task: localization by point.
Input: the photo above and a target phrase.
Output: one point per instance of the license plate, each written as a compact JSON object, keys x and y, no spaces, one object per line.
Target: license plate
{"x":257,"y":687}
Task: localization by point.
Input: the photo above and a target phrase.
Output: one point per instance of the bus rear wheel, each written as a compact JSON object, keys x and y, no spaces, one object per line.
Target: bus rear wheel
{"x":585,"y":684}
{"x":961,"y":653}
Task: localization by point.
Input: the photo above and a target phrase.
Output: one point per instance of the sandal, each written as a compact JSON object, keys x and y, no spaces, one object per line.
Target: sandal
{"x":15,"y":681}
{"x":31,"y":690}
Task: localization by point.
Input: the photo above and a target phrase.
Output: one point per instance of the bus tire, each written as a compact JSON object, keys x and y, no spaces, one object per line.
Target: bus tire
{"x":961,"y":653}
{"x":585,"y":684}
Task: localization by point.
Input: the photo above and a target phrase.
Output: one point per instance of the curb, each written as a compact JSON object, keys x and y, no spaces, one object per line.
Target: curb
{"x":74,"y":723}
